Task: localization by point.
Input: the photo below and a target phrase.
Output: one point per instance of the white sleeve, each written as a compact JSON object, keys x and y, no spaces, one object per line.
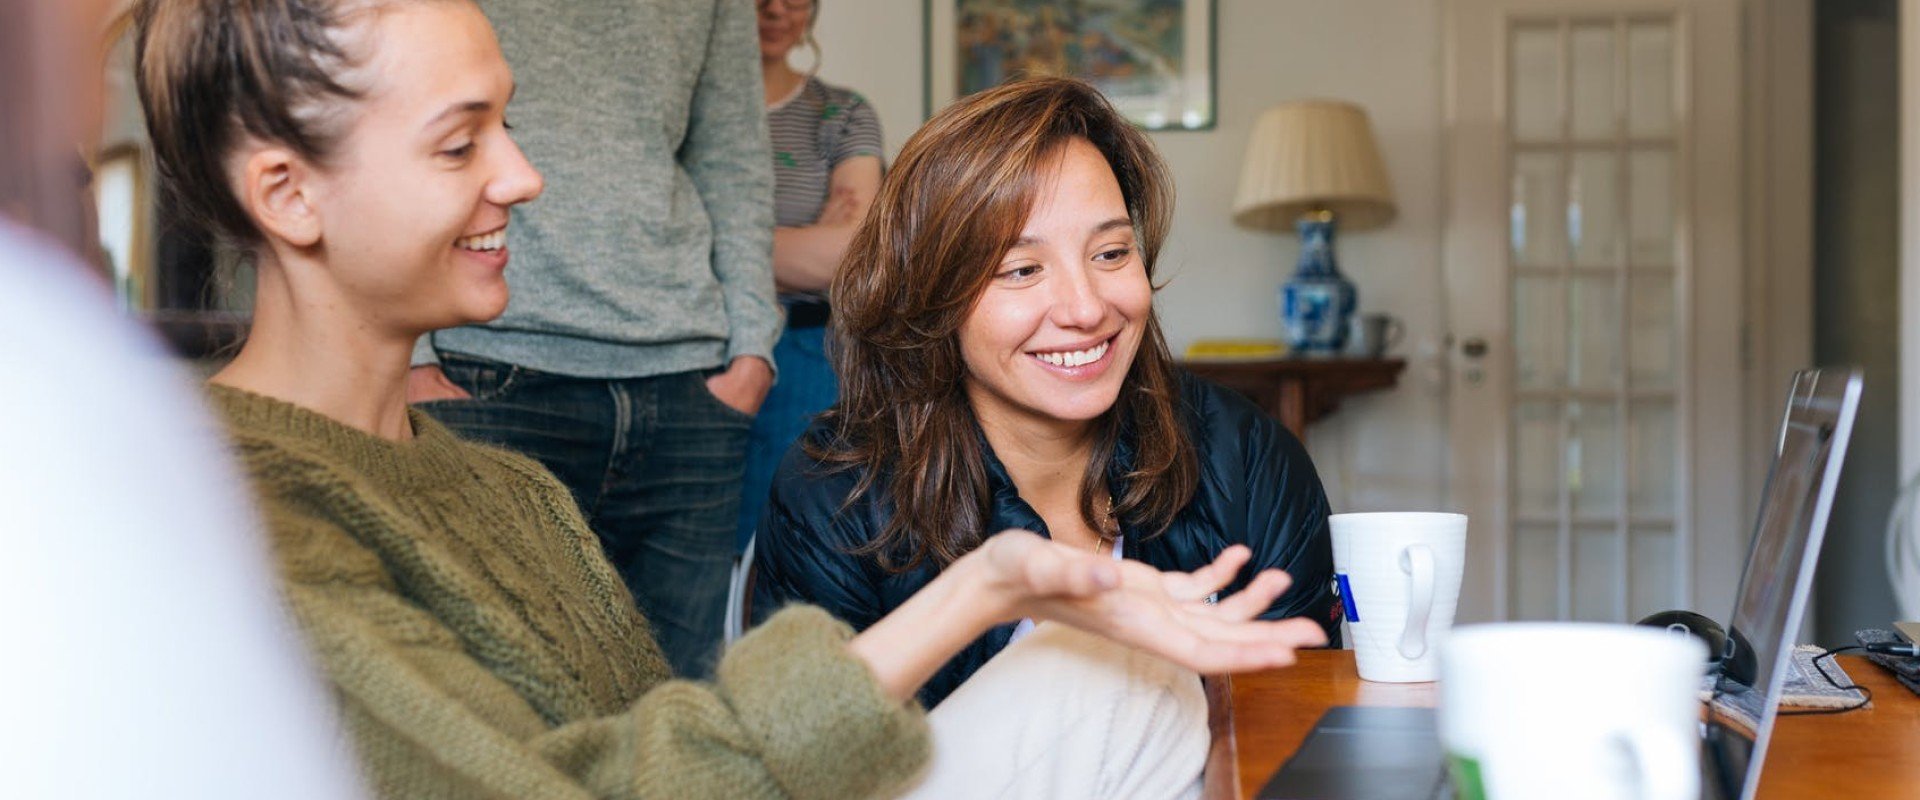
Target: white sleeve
{"x":147,"y":653}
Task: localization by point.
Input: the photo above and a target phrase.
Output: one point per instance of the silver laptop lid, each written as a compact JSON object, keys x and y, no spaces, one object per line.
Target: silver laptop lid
{"x":1786,"y":545}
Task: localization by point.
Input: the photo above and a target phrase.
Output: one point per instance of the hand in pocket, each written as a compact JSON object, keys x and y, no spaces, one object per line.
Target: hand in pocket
{"x":743,"y":387}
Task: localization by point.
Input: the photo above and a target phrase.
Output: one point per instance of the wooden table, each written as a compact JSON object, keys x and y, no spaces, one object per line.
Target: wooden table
{"x":1868,"y":753}
{"x":1298,"y":391}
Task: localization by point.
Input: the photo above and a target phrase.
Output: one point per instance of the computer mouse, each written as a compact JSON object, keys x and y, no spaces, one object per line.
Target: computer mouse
{"x":1688,"y":623}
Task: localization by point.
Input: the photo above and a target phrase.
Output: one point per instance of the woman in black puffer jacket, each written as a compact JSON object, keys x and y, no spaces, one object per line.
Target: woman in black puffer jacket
{"x":1001,"y":368}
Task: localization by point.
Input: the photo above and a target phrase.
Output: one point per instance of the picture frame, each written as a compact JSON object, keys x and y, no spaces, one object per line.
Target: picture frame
{"x":166,"y":271}
{"x":1155,"y":60}
{"x":122,"y":206}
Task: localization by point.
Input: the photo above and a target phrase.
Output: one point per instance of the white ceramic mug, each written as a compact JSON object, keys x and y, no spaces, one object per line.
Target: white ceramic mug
{"x":1399,"y":580}
{"x":1572,"y":711}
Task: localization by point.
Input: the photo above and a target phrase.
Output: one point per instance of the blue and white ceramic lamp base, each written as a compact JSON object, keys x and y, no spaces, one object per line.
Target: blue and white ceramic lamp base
{"x":1317,"y":302}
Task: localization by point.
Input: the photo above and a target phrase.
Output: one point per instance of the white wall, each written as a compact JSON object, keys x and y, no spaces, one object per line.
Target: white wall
{"x":1379,"y":452}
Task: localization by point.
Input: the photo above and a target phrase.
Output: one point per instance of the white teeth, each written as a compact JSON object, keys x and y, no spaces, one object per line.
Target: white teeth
{"x":1076,"y":357}
{"x":485,"y":241}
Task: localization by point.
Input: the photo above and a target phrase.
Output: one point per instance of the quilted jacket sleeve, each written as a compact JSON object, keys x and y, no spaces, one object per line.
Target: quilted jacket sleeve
{"x":803,"y":549}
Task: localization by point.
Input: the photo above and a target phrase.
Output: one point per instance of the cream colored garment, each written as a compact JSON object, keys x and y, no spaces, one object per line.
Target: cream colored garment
{"x":146,"y":653}
{"x":1065,"y":714}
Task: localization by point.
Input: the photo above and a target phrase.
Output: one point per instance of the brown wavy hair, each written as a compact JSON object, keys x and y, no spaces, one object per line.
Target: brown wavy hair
{"x":949,"y":210}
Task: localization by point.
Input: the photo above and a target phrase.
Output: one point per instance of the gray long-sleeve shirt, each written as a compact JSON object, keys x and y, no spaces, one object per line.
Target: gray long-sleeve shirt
{"x":650,"y":252}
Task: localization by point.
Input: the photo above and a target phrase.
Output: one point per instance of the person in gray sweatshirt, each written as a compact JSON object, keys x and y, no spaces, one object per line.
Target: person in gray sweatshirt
{"x":637,"y":344}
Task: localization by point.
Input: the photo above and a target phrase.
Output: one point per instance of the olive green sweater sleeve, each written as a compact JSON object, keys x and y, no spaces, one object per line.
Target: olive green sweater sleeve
{"x":792,"y":715}
{"x":480,"y":646}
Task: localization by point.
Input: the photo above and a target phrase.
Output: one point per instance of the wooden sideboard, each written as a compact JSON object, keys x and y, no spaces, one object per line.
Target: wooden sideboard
{"x":1298,"y":391}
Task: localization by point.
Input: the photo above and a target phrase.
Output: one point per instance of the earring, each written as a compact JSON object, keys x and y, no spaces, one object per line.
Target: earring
{"x":813,"y":47}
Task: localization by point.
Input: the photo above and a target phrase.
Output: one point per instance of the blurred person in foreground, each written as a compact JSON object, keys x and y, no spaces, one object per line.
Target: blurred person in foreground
{"x":478,"y":642}
{"x":146,"y":654}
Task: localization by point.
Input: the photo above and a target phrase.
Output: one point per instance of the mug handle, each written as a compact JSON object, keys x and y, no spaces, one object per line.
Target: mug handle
{"x":1665,"y":772}
{"x":1396,"y":330}
{"x":1417,"y":560}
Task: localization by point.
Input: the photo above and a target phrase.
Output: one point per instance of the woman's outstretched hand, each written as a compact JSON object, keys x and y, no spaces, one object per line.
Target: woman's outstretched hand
{"x":1016,"y":574}
{"x":1166,"y":613}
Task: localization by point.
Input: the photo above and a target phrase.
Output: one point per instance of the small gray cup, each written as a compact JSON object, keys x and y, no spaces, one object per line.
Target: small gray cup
{"x":1370,"y":335}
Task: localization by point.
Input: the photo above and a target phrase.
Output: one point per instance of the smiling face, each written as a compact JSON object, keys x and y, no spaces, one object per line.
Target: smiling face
{"x":414,"y":203}
{"x":1051,"y":339}
{"x":783,"y":24}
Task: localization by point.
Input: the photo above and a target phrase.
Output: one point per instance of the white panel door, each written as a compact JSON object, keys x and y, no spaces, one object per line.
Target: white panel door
{"x":1593,"y":271}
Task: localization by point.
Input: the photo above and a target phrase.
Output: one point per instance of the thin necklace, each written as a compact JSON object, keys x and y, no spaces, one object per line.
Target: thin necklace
{"x":1106,"y":520}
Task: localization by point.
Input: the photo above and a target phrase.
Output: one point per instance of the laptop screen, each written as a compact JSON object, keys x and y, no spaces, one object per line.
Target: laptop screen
{"x":1779,"y":572}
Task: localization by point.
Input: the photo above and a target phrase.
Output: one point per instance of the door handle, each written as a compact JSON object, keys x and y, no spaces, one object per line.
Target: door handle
{"x":1474,"y":349}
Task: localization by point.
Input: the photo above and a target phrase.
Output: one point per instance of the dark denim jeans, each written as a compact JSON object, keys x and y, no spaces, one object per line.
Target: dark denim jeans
{"x":807,"y":387}
{"x":655,"y":465}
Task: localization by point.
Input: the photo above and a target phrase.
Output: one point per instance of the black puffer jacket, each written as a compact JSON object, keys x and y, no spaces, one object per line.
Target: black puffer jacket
{"x":1257,"y":487}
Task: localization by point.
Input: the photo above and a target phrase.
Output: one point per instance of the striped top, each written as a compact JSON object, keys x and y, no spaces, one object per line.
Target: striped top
{"x":815,"y":129}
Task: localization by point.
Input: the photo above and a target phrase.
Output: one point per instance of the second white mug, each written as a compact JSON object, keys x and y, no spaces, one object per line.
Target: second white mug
{"x":1572,"y":711}
{"x":1399,"y":580}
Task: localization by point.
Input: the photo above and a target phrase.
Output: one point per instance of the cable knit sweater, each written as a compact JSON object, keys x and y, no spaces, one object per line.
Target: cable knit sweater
{"x":480,"y":646}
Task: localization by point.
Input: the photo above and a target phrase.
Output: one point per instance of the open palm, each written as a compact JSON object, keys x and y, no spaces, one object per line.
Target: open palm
{"x":1166,"y":613}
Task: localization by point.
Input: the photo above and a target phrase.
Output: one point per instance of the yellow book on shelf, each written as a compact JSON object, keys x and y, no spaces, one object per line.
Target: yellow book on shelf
{"x":1235,"y":349}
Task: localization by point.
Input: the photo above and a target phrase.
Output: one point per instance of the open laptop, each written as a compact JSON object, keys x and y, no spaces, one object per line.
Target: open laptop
{"x":1385,"y":753}
{"x":1772,"y":600}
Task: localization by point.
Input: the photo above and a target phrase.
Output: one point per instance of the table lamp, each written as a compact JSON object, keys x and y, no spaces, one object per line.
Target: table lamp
{"x":1311,"y":165}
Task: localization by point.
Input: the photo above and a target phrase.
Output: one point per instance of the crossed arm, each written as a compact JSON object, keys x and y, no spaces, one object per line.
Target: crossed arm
{"x":805,"y":258}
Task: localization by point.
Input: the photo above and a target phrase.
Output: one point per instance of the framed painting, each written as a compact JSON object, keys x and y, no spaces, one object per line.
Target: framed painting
{"x":121,"y":206}
{"x":1153,"y":59}
{"x":165,"y":271}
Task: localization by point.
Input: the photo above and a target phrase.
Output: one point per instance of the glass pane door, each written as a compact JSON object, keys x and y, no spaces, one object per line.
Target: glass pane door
{"x":1593,"y":271}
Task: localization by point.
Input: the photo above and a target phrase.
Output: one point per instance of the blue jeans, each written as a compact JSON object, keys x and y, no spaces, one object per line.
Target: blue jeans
{"x":654,"y":464}
{"x":807,"y":387}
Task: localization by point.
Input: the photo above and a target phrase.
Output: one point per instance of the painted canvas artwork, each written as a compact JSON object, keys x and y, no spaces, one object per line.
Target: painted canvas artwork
{"x":1150,"y":57}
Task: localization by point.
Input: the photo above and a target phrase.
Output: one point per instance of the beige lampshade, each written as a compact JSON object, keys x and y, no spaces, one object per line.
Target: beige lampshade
{"x":1312,"y":155}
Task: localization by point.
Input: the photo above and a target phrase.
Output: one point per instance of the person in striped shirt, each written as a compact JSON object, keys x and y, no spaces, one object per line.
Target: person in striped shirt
{"x":827,"y":152}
